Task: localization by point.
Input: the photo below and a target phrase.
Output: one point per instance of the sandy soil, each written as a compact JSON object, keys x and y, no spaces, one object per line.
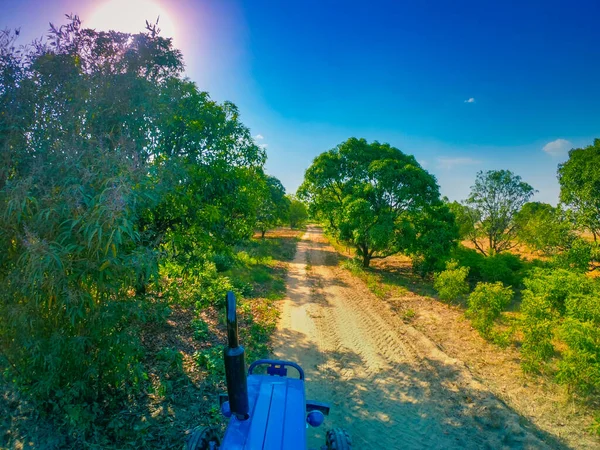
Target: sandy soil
{"x":388,"y":384}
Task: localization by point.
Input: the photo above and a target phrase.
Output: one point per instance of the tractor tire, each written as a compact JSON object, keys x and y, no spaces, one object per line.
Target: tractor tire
{"x":203,"y":439}
{"x":338,"y":439}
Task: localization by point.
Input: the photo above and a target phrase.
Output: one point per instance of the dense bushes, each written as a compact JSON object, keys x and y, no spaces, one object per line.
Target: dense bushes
{"x":506,"y":268}
{"x":452,"y":284}
{"x":119,"y":180}
{"x":486,"y":303}
{"x":563,"y":306}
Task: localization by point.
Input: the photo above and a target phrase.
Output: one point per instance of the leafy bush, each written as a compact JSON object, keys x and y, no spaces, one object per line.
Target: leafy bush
{"x":451,"y":284}
{"x":580,"y":331}
{"x":472,"y":259}
{"x":549,"y":294}
{"x":504,"y":267}
{"x":501,"y":267}
{"x":577,"y":256}
{"x":485,"y":304}
{"x":557,"y":285}
{"x":200,"y":285}
{"x":172,"y":358}
{"x":223,"y":262}
{"x":200,"y":329}
{"x":211,"y":359}
{"x":539,"y":322}
{"x":580,"y":365}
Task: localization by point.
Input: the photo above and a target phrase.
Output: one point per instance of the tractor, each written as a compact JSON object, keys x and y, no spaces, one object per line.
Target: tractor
{"x":266,"y":411}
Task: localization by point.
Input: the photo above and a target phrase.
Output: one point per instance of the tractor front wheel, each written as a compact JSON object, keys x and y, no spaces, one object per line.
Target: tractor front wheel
{"x":203,"y":439}
{"x":338,"y":439}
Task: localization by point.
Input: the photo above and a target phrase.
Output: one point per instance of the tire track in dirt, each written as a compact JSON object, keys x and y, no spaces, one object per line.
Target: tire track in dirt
{"x":388,"y":384}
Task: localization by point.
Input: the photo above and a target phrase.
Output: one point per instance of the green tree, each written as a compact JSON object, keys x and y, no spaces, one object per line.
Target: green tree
{"x":452,"y":284}
{"x":579,"y":180}
{"x":110,"y":161}
{"x":297,"y":213}
{"x":495,"y":200}
{"x":379,"y":200}
{"x":274,"y":206}
{"x":75,"y":137}
{"x":485,"y":305}
{"x":544,"y":228}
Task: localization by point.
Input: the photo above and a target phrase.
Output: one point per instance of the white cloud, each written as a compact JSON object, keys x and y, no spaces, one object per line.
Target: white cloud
{"x":258,"y":137}
{"x":470,"y":100}
{"x":449,"y":163}
{"x":263,"y":145}
{"x":558,"y":147}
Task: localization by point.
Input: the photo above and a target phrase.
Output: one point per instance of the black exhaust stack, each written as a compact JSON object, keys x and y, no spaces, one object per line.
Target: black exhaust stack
{"x":235,"y":366}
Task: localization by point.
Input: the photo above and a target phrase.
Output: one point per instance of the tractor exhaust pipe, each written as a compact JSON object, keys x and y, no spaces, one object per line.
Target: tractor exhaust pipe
{"x":235,"y":366}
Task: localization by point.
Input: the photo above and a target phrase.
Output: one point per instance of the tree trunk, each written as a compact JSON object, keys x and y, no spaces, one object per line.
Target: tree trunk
{"x":262,"y":233}
{"x":366,"y":260}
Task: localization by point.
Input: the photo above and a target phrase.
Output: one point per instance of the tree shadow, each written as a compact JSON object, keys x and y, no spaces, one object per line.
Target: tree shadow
{"x":408,"y":405}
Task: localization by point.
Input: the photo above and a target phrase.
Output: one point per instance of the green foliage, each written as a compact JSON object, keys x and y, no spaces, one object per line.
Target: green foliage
{"x":199,"y":285}
{"x":503,"y":267}
{"x":544,"y":228}
{"x":492,"y":206}
{"x":451,"y":284}
{"x":274,"y":207}
{"x":548,"y":296}
{"x":211,"y":360}
{"x":409,"y":315}
{"x":200,"y":328}
{"x":172,"y":358}
{"x":297,"y":212}
{"x":379,"y":200}
{"x":579,"y":256}
{"x":118,"y":179}
{"x":579,"y":180}
{"x":485,"y":304}
{"x":580,"y":366}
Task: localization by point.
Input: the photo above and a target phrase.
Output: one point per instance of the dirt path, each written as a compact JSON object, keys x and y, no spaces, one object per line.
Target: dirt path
{"x":388,"y":384}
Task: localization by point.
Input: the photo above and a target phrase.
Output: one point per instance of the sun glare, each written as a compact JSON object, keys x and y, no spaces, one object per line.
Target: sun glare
{"x":130,"y":16}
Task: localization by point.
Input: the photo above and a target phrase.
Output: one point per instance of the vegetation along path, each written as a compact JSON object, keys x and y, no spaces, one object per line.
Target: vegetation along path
{"x":388,"y":384}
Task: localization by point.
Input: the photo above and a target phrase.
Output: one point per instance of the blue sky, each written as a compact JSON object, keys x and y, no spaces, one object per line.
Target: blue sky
{"x":462,"y":85}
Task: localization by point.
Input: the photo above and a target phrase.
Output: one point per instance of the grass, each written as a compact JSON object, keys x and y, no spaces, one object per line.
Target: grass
{"x":182,"y":365}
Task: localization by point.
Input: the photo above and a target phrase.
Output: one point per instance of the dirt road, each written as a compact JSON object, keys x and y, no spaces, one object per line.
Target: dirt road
{"x":389,"y":385}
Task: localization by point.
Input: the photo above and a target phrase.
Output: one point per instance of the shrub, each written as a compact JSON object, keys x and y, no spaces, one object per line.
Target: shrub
{"x":557,"y":285}
{"x":485,"y":304}
{"x":200,"y":328}
{"x":580,"y":366}
{"x":502,"y":267}
{"x":549,"y":295}
{"x":539,"y":321}
{"x":223,"y":262}
{"x":211,"y":359}
{"x":472,"y":259}
{"x":172,"y":358}
{"x":451,"y":284}
{"x":198,"y":285}
{"x":577,"y":257}
{"x":580,"y":331}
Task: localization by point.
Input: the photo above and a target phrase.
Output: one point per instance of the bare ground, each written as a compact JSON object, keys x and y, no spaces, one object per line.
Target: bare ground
{"x":388,"y":383}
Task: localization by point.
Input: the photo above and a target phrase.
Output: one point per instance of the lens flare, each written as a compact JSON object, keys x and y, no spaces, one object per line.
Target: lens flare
{"x":130,"y":16}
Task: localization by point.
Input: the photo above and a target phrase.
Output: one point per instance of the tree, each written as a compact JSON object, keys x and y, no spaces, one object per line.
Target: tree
{"x":379,"y":200}
{"x":274,"y":206}
{"x":297,"y":213}
{"x":544,"y":228}
{"x":579,"y":180}
{"x":496,"y":198}
{"x":110,"y":163}
{"x":76,"y":131}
